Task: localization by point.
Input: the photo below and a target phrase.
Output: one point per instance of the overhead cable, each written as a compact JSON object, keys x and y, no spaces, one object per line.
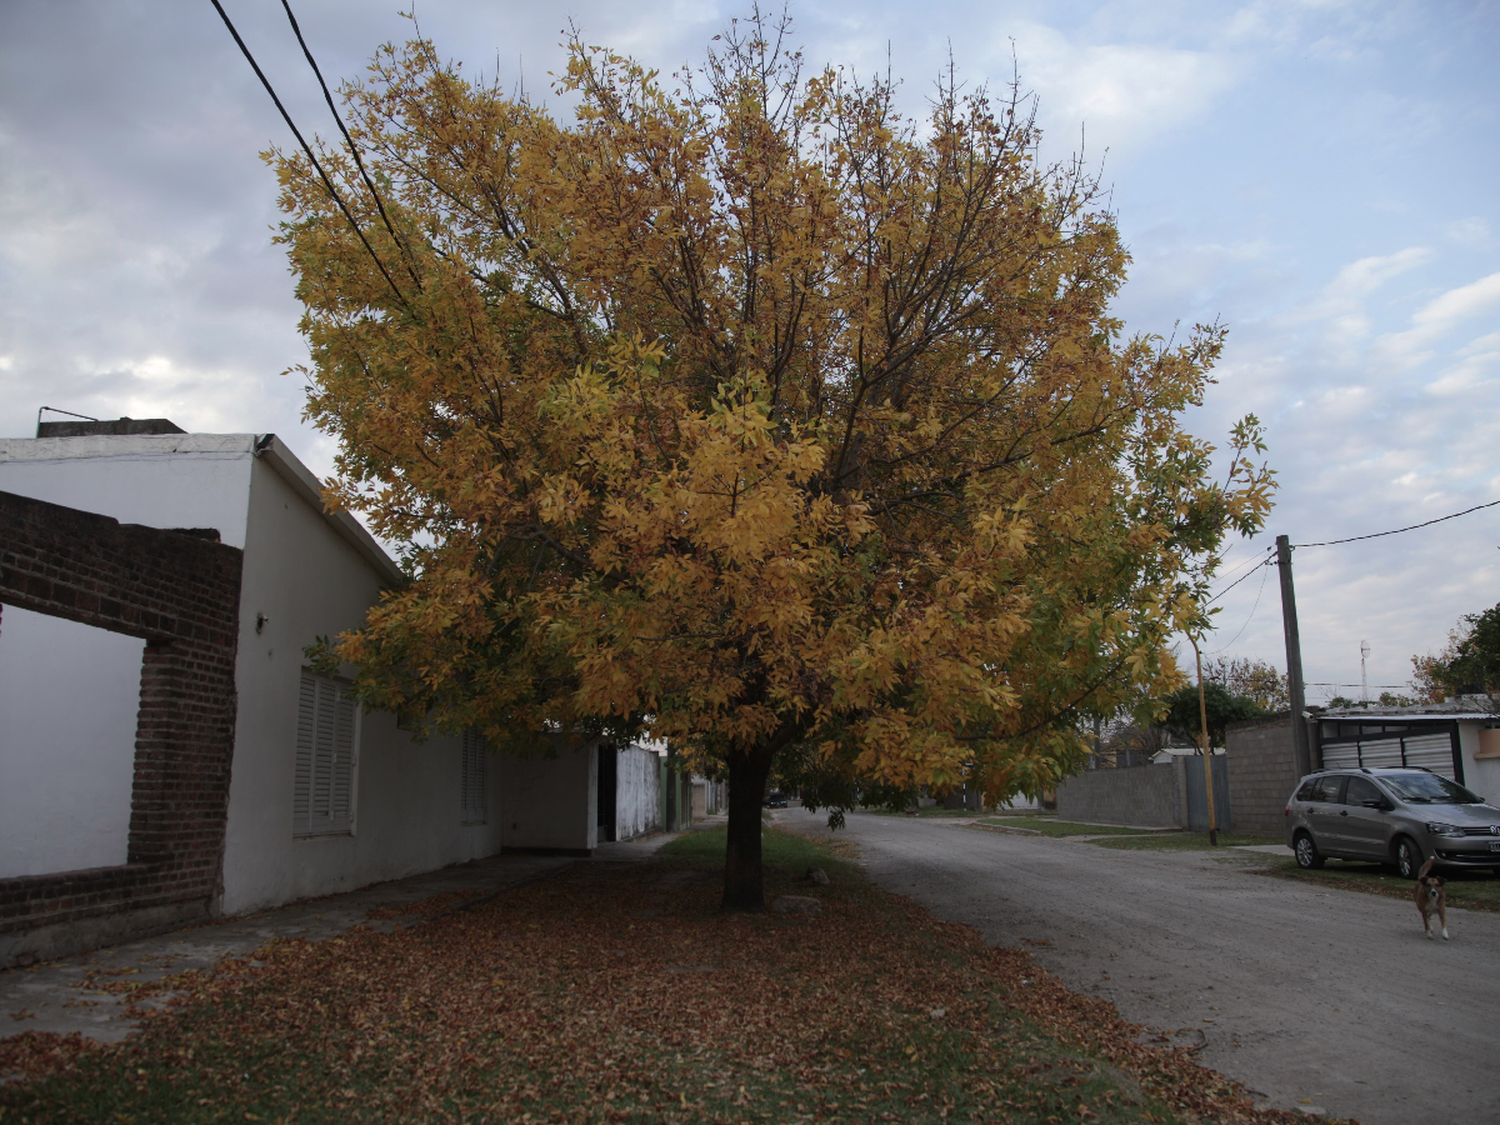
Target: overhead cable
{"x":1399,"y":530}
{"x":1253,"y":608}
{"x":1237,"y":581}
{"x":353,"y":148}
{"x":292,"y":125}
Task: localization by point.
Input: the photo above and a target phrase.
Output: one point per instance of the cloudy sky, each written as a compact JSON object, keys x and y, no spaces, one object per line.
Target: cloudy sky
{"x":1320,"y":175}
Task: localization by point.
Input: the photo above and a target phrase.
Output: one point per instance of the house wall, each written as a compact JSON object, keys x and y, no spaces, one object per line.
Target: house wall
{"x":1482,"y":775}
{"x":1149,"y":796}
{"x":1262,"y":773}
{"x":308,"y":575}
{"x":550,"y":804}
{"x":171,"y":480}
{"x":180,"y":594}
{"x":69,"y":694}
{"x":303,"y":581}
{"x":637,"y":793}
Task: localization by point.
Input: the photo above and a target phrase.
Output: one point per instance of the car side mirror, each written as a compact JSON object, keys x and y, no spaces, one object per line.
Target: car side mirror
{"x":1376,"y":803}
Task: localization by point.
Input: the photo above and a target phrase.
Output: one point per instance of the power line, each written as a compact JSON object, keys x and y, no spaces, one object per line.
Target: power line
{"x":353,"y":148}
{"x":1237,"y":581}
{"x":1245,"y":565}
{"x":292,"y":125}
{"x":1318,"y":683}
{"x":1253,"y":608}
{"x":1399,"y":530}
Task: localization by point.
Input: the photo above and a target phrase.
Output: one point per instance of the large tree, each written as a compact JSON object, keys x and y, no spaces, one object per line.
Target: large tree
{"x":746,"y":412}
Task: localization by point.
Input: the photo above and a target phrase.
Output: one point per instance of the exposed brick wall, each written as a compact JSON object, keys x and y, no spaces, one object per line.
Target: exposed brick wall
{"x":1149,"y":796}
{"x":1262,"y":773}
{"x":179,"y":591}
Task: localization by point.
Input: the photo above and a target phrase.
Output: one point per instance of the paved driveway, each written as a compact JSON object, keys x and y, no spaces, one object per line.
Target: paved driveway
{"x":1319,"y":1000}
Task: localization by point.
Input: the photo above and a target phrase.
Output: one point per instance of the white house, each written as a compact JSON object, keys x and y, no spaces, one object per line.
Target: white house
{"x":321,"y":797}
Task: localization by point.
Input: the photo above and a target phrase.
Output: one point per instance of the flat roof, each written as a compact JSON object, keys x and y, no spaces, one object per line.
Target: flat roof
{"x":268,"y":447}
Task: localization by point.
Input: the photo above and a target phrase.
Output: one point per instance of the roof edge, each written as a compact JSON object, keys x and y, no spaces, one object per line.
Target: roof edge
{"x":274,"y":451}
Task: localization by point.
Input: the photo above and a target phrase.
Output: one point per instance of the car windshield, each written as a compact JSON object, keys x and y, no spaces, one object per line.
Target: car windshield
{"x":1429,"y":789}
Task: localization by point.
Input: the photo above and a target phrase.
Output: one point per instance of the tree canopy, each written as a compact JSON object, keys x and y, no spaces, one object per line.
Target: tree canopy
{"x":1469,"y":663}
{"x":1222,"y":706}
{"x":746,"y":412}
{"x":1256,"y":680}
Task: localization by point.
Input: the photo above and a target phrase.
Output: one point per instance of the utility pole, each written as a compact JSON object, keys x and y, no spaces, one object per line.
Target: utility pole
{"x":1208,"y":748}
{"x":1301,"y":752}
{"x":1364,"y":675}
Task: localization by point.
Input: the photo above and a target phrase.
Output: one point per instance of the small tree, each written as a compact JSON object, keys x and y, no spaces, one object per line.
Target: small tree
{"x":1223,"y":708}
{"x":754,"y":415}
{"x":1468,"y":665}
{"x":1255,"y":680}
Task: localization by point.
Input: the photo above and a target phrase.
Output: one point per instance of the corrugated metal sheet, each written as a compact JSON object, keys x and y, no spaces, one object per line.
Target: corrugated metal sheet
{"x":1391,"y":751}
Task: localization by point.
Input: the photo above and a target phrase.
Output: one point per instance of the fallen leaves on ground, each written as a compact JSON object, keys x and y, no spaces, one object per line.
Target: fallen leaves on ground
{"x":621,"y":994}
{"x":435,"y":904}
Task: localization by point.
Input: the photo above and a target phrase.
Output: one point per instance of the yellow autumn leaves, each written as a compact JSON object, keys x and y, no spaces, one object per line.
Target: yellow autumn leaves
{"x":753,"y":415}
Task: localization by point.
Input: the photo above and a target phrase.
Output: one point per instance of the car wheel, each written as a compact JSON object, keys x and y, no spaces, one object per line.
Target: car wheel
{"x":1308,"y":856}
{"x":1408,"y":858}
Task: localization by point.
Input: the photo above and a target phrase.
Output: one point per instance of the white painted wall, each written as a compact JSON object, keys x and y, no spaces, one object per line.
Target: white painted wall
{"x":637,"y":792}
{"x":309,"y":574}
{"x":307,"y":581}
{"x":69,"y":695}
{"x":1481,"y":775}
{"x":170,"y":480}
{"x":552,"y":803}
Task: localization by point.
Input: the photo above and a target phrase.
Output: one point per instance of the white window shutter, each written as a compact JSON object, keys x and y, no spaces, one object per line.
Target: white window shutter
{"x":327,"y":748}
{"x":473,"y":799}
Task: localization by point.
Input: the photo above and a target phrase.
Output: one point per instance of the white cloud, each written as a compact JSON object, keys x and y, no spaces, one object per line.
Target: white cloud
{"x":1341,"y":307}
{"x":1441,"y":315}
{"x":1361,"y":278}
{"x":1468,"y":231}
{"x":1123,"y":93}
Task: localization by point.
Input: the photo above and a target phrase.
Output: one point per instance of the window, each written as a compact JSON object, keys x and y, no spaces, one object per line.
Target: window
{"x":327,"y":743}
{"x":1321,"y":789}
{"x":1360,"y":791}
{"x":473,"y":801}
{"x":1429,"y":789}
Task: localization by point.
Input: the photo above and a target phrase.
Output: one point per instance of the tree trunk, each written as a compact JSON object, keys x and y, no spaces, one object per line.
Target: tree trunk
{"x":744,"y":883}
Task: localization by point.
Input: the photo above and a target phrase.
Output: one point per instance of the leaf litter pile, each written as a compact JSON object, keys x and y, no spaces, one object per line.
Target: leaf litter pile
{"x":619,"y":993}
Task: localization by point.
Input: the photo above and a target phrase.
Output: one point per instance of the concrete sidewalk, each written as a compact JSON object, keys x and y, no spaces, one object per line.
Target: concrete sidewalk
{"x":71,"y":994}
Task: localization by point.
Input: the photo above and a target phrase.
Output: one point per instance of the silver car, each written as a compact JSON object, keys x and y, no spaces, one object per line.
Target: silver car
{"x":1400,"y":817}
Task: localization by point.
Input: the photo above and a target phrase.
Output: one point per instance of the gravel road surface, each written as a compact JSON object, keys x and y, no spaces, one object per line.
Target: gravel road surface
{"x":1325,"y":1001}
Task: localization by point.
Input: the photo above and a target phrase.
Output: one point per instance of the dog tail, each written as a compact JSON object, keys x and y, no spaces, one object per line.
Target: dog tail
{"x":1426,"y":867}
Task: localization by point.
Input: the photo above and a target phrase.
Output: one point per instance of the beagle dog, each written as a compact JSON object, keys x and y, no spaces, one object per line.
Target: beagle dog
{"x":1431,"y":899}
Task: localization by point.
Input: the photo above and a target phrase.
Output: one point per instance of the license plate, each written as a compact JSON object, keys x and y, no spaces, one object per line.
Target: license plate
{"x":1495,"y":845}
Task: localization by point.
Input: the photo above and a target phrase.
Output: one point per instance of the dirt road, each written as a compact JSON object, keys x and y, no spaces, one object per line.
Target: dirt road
{"x":1325,"y":1001}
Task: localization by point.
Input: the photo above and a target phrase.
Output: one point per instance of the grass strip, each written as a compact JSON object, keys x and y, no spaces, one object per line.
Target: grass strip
{"x":622,"y":994}
{"x":1471,"y":890}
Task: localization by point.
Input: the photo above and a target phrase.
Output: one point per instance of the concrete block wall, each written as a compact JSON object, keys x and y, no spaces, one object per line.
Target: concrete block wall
{"x":1149,"y":796}
{"x":179,"y":591}
{"x":1262,"y":774}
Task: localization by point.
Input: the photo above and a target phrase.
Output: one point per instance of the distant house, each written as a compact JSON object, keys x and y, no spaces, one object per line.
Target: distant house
{"x":271,"y":783}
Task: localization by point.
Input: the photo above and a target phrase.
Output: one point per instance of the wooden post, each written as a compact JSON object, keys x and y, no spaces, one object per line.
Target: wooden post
{"x":1208,"y":749}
